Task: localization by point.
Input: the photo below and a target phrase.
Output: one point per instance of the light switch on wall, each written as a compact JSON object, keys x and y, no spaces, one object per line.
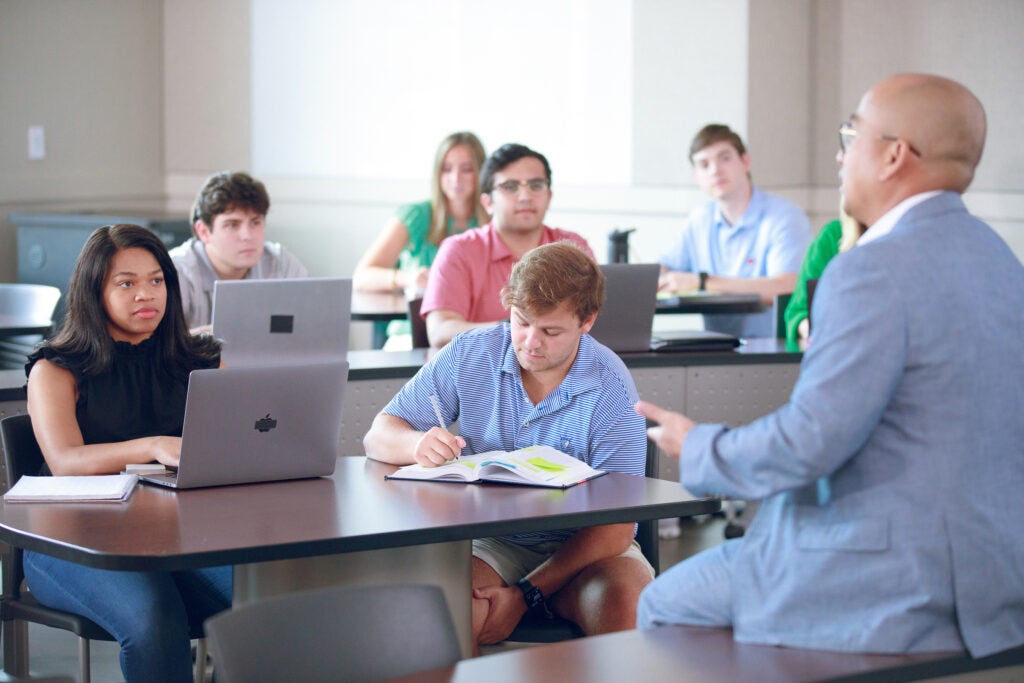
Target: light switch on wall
{"x":36,"y":143}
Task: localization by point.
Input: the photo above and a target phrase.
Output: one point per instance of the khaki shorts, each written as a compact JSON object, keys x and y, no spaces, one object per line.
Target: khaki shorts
{"x":512,"y":561}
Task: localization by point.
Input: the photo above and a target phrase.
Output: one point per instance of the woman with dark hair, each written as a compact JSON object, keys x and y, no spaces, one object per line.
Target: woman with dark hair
{"x":108,"y":390}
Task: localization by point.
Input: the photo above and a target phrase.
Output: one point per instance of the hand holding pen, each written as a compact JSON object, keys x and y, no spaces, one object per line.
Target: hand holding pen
{"x":438,"y":446}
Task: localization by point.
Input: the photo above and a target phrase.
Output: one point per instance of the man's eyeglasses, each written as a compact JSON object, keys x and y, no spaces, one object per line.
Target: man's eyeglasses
{"x":533,"y":185}
{"x":847,"y":133}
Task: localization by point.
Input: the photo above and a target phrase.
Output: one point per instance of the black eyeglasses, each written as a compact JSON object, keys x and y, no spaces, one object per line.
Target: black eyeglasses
{"x":533,"y":185}
{"x":847,"y":133}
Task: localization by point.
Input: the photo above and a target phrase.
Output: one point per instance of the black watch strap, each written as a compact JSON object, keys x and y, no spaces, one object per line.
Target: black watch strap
{"x":535,"y":601}
{"x":703,"y":280}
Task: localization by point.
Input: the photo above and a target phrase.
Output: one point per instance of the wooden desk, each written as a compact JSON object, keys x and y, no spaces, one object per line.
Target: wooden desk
{"x":709,"y":303}
{"x":18,"y":336}
{"x":677,"y":653}
{"x":11,"y":326}
{"x":379,"y":307}
{"x":353,"y":527}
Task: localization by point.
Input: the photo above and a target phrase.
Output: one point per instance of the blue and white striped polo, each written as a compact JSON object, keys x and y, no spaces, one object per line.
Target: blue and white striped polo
{"x":477,"y":381}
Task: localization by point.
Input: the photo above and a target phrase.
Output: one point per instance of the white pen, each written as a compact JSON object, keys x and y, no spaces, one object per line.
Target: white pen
{"x":437,"y":411}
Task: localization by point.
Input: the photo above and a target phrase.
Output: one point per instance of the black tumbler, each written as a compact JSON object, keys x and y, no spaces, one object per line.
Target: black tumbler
{"x":618,"y":245}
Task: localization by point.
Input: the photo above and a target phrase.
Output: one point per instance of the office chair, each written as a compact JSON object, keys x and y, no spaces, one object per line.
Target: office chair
{"x":350,"y":633}
{"x":418,"y":325}
{"x":779,"y":314}
{"x":22,"y":456}
{"x":534,"y":629}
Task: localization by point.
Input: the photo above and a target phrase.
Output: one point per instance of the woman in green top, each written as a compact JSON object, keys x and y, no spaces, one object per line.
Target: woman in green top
{"x":401,"y":256}
{"x":833,"y":238}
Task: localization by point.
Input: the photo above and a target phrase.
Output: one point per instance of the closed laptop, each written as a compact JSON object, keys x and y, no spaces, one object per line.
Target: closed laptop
{"x":299,"y":320}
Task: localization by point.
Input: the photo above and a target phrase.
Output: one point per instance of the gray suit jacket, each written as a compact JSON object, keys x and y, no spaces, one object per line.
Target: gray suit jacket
{"x":894,"y":478}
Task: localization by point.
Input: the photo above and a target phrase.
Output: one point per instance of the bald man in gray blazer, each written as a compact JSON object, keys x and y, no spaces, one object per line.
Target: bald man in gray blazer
{"x":893,"y":480}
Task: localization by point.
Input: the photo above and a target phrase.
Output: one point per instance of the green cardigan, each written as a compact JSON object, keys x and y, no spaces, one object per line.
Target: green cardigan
{"x":821,"y":251}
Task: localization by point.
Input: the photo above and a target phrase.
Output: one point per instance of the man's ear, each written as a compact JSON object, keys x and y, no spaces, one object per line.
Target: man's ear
{"x":588,"y":323}
{"x":202,"y":231}
{"x":485,"y":201}
{"x":894,"y":160}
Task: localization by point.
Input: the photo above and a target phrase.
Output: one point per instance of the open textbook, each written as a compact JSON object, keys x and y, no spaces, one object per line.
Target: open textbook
{"x":531,"y":466}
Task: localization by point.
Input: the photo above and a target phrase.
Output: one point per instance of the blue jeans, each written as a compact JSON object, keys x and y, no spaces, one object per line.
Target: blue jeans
{"x":149,"y":613}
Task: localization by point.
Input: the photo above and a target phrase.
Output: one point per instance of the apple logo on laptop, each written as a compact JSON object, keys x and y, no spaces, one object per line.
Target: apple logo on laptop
{"x":265,"y":424}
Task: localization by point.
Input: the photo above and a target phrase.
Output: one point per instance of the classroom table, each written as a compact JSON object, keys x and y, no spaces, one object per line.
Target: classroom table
{"x":709,"y":303}
{"x":379,"y":308}
{"x":11,"y":326}
{"x":353,"y":527}
{"x":679,"y":653}
{"x":18,"y":335}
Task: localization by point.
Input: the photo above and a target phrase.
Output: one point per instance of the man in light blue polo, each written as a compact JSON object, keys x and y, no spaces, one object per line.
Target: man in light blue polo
{"x":539,"y":379}
{"x":742,"y":241}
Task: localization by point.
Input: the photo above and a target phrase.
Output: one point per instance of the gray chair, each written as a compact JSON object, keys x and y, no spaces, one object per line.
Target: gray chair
{"x":24,"y":305}
{"x":779,"y":314}
{"x":22,"y":456}
{"x":534,"y":629}
{"x":418,"y":325}
{"x":343,"y":633}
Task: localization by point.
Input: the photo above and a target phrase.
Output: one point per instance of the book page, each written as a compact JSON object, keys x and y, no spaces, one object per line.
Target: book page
{"x":533,"y":465}
{"x":463,"y":469}
{"x":539,"y":465}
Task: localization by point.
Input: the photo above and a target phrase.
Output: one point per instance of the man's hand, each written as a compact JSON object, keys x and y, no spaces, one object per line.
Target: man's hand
{"x":678,"y":281}
{"x":671,"y":434}
{"x":506,"y":608}
{"x":437,"y":447}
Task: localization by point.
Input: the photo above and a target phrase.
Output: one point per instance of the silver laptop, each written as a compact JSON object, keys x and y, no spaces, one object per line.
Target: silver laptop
{"x":627,"y":316}
{"x":300,"y":320}
{"x":255,"y":424}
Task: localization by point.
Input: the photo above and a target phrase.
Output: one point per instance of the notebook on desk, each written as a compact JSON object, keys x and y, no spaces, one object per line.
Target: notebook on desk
{"x":282,"y":321}
{"x":254,"y":424}
{"x":627,"y":316}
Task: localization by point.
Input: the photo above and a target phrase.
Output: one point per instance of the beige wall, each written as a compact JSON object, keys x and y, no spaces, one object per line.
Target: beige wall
{"x":142,"y":99}
{"x":206,"y":85}
{"x":91,"y":73}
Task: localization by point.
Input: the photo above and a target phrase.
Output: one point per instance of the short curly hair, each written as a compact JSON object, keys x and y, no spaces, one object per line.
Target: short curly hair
{"x":229,"y":190}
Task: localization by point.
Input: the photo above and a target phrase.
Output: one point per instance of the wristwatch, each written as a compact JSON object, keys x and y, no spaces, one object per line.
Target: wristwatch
{"x":534,"y":599}
{"x":703,"y":280}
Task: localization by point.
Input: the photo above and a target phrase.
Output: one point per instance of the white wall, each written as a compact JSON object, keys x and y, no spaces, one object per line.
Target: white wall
{"x":144,"y":98}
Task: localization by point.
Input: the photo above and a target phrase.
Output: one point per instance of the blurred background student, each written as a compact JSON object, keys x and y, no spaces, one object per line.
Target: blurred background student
{"x":833,"y":238}
{"x":401,"y":256}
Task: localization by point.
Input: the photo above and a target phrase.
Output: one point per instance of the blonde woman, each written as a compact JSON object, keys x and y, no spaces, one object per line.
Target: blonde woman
{"x":401,"y":256}
{"x":833,"y":238}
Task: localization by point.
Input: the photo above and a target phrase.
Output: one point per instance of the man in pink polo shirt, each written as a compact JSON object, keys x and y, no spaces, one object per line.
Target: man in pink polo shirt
{"x":464,"y":288}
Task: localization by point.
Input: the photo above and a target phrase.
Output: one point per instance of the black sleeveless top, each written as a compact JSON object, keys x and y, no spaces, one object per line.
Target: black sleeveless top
{"x":135,"y":397}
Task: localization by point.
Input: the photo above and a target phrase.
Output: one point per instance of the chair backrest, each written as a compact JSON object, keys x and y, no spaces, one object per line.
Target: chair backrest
{"x":418,"y":325}
{"x":779,"y":313}
{"x":21,"y":456}
{"x":350,"y":633}
{"x":28,"y":302}
{"x":647,"y":531}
